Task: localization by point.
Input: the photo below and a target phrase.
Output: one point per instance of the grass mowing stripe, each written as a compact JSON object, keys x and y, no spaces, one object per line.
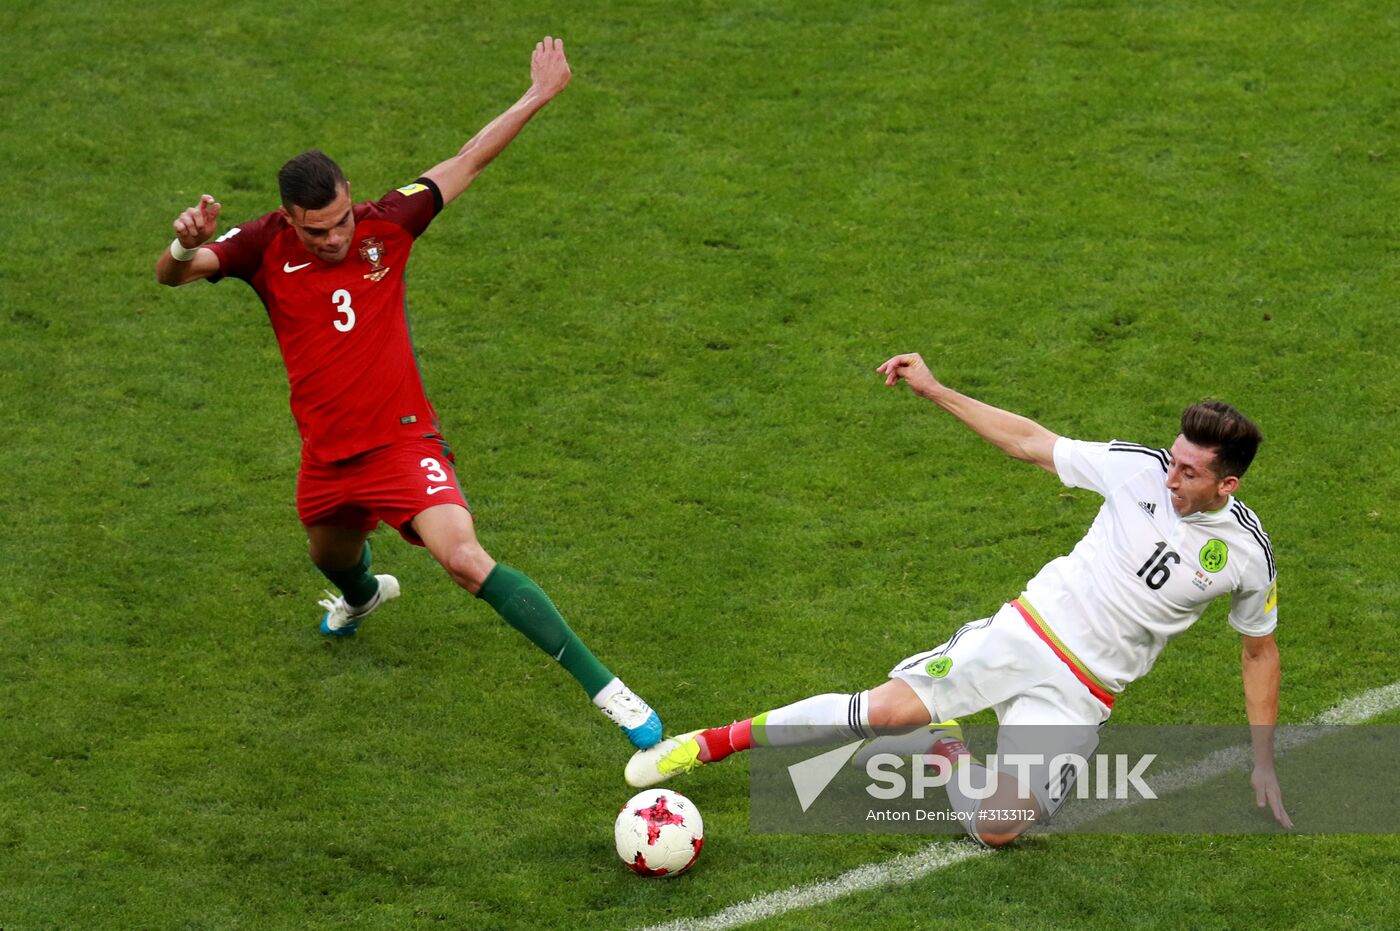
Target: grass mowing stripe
{"x":909,"y":867}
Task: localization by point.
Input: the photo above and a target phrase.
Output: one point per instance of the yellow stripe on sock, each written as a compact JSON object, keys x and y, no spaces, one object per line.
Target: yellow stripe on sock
{"x":759,"y":731}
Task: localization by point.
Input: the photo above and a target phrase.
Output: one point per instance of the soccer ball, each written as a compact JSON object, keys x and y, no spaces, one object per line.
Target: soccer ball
{"x":659,"y":833}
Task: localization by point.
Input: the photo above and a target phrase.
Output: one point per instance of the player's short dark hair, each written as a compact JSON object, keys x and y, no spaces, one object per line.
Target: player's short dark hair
{"x":1218,"y":426}
{"x":310,"y":181}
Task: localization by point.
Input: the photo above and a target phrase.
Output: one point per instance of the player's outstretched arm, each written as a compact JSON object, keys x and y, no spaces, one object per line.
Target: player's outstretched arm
{"x":1259,"y":665}
{"x":549,"y":74}
{"x":1019,"y":437}
{"x":193,"y":228}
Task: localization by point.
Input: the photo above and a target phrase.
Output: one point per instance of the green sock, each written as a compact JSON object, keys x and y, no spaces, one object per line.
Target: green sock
{"x":357,"y":584}
{"x":521,"y":603}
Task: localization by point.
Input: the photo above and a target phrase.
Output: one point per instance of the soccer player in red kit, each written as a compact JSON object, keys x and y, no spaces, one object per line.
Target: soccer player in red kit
{"x":330,"y":273}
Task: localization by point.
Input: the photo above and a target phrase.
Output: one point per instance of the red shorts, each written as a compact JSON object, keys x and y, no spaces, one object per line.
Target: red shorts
{"x":393,"y":484}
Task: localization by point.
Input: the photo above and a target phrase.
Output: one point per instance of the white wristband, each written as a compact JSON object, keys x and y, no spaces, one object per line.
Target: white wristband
{"x":180,"y":253}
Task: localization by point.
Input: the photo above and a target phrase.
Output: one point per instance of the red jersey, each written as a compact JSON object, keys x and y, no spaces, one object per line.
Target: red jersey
{"x":343,"y":328}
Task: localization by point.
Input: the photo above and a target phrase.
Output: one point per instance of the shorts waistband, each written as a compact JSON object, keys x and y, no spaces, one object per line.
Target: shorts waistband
{"x":1081,"y":672}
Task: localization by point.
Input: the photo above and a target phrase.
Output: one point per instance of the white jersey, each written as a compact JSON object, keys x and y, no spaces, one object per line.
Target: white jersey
{"x":1143,"y":574}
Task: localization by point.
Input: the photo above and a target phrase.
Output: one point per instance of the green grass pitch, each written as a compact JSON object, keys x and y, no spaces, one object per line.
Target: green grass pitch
{"x":651,"y":329}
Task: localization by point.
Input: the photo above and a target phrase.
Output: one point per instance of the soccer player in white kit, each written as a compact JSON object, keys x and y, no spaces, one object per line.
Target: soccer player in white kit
{"x":1169,"y":538}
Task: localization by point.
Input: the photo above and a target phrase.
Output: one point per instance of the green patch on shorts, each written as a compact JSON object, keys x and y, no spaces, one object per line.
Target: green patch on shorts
{"x":938,"y":668}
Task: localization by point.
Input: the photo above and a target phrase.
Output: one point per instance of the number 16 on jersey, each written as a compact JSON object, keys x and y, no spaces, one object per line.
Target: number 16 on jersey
{"x":1158,"y":574}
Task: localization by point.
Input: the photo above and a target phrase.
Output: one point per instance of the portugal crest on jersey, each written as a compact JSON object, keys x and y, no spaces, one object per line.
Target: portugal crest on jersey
{"x":372,"y":251}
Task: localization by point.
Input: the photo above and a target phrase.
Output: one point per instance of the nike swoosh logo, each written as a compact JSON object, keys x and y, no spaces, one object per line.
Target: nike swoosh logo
{"x":434,"y":489}
{"x":288,"y":267}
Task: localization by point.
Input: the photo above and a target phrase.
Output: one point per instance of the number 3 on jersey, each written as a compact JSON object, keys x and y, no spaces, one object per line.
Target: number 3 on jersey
{"x":435,"y":473}
{"x":341,"y":299}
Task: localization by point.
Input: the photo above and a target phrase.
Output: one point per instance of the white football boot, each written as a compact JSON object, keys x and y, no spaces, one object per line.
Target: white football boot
{"x":627,"y":710}
{"x":670,"y":758}
{"x":341,"y":620}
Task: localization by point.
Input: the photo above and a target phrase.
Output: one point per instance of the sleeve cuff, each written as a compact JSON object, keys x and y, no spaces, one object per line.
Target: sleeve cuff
{"x":218,"y":272}
{"x":1258,"y":632}
{"x":1061,"y":455}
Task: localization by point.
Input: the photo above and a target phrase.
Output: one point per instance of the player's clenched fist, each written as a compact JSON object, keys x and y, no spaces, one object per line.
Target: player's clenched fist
{"x":549,"y":69}
{"x":196,"y":225}
{"x":911,"y":368}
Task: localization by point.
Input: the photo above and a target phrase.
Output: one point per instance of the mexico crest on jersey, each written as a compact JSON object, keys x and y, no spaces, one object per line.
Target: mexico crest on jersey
{"x":1214,"y":555}
{"x":372,"y":251}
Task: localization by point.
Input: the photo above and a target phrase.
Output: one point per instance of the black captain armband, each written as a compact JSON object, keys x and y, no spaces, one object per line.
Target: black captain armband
{"x":417,"y":187}
{"x":431,"y":185}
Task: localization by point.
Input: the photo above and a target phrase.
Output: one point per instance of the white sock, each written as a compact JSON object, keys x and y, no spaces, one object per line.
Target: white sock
{"x":608,"y":691}
{"x":820,"y":719}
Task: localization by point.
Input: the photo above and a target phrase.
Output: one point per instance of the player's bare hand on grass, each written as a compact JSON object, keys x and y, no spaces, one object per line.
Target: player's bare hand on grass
{"x":910,"y":368}
{"x":197,"y":225}
{"x":549,"y":69}
{"x":1268,"y":794}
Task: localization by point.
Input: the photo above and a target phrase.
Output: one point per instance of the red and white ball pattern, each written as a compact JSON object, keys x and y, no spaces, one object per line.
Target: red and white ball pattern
{"x":659,"y":833}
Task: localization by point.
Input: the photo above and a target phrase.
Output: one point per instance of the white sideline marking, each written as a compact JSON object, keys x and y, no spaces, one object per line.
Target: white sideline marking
{"x":1363,"y":707}
{"x":911,"y":866}
{"x":902,"y":869}
{"x":1355,"y":710}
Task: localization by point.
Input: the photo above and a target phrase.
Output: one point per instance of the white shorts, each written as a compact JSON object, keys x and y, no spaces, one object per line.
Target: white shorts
{"x":1000,"y":663}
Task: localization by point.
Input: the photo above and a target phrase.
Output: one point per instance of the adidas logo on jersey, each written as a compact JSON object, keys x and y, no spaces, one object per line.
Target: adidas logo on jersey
{"x":1148,"y":507}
